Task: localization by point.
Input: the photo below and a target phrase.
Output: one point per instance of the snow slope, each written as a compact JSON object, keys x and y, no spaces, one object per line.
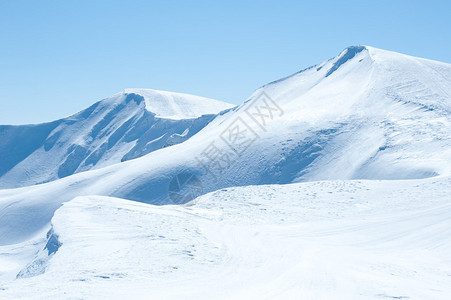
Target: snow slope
{"x":178,"y":106}
{"x":365,"y":114}
{"x":317,"y":240}
{"x":361,"y":139}
{"x":125,"y":126}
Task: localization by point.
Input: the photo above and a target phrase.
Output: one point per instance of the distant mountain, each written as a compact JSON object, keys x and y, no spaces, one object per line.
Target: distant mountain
{"x":365,"y":114}
{"x":125,"y":126}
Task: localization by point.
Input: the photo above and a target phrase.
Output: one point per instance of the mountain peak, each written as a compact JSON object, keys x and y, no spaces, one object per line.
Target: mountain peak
{"x":177,"y":106}
{"x":356,"y":48}
{"x":346,"y":55}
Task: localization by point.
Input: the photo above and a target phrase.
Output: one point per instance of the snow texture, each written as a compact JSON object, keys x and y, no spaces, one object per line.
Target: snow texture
{"x":338,"y":186}
{"x":123,"y":127}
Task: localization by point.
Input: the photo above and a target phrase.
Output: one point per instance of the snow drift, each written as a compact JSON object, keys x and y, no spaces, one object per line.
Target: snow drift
{"x":324,"y":239}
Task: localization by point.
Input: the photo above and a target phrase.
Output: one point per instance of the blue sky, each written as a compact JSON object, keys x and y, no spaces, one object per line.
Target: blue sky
{"x":58,"y":57}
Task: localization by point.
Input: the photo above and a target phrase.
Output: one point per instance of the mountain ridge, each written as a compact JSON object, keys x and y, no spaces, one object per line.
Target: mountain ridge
{"x":384,"y":117}
{"x":112,"y":130}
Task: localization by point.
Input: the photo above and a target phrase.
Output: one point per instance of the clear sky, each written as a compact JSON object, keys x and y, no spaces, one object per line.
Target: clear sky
{"x":58,"y":57}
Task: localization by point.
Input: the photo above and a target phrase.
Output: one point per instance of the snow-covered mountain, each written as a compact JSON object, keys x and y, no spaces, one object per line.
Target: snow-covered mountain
{"x":365,"y":114}
{"x":362,"y":142}
{"x":125,"y":126}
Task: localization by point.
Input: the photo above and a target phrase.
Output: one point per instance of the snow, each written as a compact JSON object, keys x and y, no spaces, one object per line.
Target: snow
{"x":358,"y":123}
{"x":123,"y":127}
{"x":178,"y":106}
{"x":340,"y":190}
{"x":361,"y":122}
{"x":325,"y":239}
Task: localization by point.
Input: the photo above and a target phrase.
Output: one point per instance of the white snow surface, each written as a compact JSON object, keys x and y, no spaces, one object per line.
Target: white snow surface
{"x":317,"y":240}
{"x":178,"y":106}
{"x":342,"y":193}
{"x":375,"y":115}
{"x":122,"y":127}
